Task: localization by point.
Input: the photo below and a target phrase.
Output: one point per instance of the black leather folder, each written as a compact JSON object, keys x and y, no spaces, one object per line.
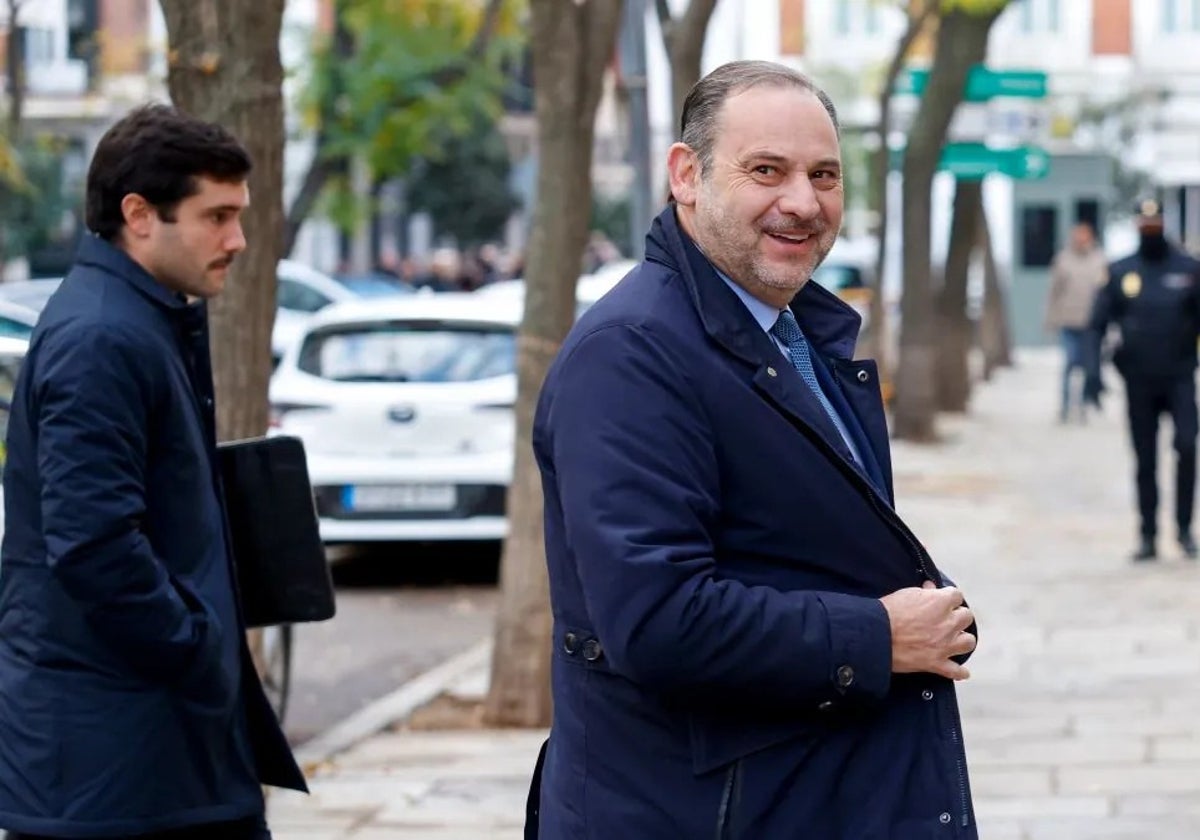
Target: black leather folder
{"x":283,"y":576}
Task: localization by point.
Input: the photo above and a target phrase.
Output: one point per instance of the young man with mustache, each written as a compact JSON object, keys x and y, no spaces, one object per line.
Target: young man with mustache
{"x":129,"y":705}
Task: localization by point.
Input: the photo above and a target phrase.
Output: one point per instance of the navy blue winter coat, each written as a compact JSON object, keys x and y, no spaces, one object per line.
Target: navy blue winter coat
{"x":722,"y":664}
{"x":128,"y":702}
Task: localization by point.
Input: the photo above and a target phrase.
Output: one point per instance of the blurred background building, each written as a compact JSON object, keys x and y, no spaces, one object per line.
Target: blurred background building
{"x":1121,"y":115}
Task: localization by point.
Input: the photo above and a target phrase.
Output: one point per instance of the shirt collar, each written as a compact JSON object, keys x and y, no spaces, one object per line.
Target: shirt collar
{"x":765,"y":314}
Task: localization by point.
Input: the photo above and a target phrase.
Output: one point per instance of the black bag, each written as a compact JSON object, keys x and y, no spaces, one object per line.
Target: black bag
{"x":283,"y":576}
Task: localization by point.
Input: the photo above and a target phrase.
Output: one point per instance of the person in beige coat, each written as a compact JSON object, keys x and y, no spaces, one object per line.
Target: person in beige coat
{"x":1078,"y":272}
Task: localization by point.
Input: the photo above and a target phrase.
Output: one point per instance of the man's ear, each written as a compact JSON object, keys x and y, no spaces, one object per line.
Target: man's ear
{"x":683,"y":170}
{"x":138,"y":214}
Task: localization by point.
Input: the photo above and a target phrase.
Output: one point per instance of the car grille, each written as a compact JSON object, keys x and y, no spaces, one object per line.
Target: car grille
{"x":473,"y":500}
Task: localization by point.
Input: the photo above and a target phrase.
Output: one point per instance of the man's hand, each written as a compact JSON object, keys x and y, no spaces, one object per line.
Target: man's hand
{"x":928,"y":627}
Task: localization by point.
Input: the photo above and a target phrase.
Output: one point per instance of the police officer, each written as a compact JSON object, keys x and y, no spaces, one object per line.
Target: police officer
{"x":1153,"y":296}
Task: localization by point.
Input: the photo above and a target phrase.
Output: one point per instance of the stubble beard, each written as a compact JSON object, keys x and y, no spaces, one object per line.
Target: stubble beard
{"x":745,"y":263}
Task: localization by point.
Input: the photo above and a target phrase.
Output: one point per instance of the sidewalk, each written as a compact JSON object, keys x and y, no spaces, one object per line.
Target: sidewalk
{"x":1082,"y":717}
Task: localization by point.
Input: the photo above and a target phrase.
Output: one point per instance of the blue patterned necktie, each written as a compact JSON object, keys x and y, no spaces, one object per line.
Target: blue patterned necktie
{"x":788,"y":331}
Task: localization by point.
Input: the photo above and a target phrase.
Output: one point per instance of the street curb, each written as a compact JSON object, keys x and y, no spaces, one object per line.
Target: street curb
{"x":382,"y":713}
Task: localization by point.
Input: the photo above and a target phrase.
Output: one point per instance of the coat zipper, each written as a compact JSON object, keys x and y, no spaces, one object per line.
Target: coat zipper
{"x":725,"y":811}
{"x":962,"y":771}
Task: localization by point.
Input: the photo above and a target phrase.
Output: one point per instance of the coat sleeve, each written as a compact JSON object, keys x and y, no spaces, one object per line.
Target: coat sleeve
{"x":636,"y":469}
{"x":93,"y":402}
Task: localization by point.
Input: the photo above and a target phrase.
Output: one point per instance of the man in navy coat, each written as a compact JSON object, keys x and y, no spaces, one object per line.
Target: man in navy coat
{"x":129,"y":705}
{"x":749,"y":642}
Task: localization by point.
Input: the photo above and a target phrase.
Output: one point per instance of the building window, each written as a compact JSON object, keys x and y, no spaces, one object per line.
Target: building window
{"x":872,"y":26}
{"x":1170,"y":16}
{"x":39,"y":46}
{"x":841,"y":21}
{"x":1039,"y":15}
{"x":1179,"y":16}
{"x":1039,"y":224}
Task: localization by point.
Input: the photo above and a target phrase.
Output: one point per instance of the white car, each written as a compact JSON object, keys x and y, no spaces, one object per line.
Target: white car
{"x":302,"y":291}
{"x":405,"y":408}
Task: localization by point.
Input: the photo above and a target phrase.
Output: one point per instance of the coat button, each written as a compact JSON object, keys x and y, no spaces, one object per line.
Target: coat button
{"x":927,"y":694}
{"x":592,"y":650}
{"x":771,"y":372}
{"x":863,"y":376}
{"x":825,"y":706}
{"x":845,"y":676}
{"x":571,"y":643}
{"x":944,"y":819}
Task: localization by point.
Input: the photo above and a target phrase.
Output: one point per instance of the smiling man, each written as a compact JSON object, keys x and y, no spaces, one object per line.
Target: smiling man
{"x":749,"y":641}
{"x":129,"y":705}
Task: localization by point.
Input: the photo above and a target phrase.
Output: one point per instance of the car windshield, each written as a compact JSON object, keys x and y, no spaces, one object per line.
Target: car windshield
{"x":370,"y":286}
{"x":413,"y":351}
{"x":32,"y":294}
{"x":837,"y":277}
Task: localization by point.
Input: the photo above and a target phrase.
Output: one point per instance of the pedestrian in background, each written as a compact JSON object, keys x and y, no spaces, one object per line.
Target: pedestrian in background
{"x":1078,"y":272}
{"x":129,"y":704}
{"x":1153,"y":297}
{"x":749,"y":641}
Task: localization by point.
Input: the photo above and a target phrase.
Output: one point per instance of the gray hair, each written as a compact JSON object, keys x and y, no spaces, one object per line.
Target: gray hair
{"x":698,"y":125}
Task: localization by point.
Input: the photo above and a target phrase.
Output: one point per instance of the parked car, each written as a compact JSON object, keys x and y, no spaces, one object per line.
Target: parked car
{"x":302,"y":291}
{"x":29,"y":294}
{"x":588,"y":288}
{"x":16,"y":320}
{"x":405,"y":408}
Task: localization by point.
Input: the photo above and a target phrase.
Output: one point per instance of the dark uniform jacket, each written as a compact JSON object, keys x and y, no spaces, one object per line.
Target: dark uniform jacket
{"x":722,"y":666}
{"x":128,"y":702}
{"x":1156,"y":304}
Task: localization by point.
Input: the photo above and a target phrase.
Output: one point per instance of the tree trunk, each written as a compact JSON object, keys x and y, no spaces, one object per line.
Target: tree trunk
{"x":880,"y":164}
{"x":683,"y":38}
{"x":225,"y":67}
{"x":14,"y":58}
{"x":954,"y":339}
{"x":571,"y":45}
{"x":961,"y":42}
{"x":994,"y":337}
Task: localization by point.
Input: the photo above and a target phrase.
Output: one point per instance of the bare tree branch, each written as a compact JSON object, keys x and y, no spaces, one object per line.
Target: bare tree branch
{"x":695,"y":21}
{"x":664,"y":13}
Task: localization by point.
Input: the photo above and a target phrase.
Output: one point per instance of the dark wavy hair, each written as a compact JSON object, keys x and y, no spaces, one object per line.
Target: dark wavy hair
{"x":157,"y":152}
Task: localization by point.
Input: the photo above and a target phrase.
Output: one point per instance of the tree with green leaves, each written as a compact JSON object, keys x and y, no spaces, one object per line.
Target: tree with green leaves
{"x":465,"y":189}
{"x":683,"y":37}
{"x":963,"y":30}
{"x":396,"y":79}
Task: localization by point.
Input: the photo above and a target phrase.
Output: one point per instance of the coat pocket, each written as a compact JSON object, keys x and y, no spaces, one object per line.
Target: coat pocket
{"x":718,"y":740}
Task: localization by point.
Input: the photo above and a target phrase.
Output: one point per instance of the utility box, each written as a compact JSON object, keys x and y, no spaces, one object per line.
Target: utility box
{"x":1077,"y":188}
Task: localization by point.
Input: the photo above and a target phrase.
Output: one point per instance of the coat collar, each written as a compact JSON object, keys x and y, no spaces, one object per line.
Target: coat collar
{"x":99,"y":253}
{"x":830,"y":324}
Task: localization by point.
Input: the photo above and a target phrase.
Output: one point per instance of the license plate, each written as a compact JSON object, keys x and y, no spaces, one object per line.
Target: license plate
{"x":400,"y":497}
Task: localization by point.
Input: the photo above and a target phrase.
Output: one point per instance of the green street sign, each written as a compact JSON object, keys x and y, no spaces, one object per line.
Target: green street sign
{"x":972,"y":161}
{"x":982,"y":83}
